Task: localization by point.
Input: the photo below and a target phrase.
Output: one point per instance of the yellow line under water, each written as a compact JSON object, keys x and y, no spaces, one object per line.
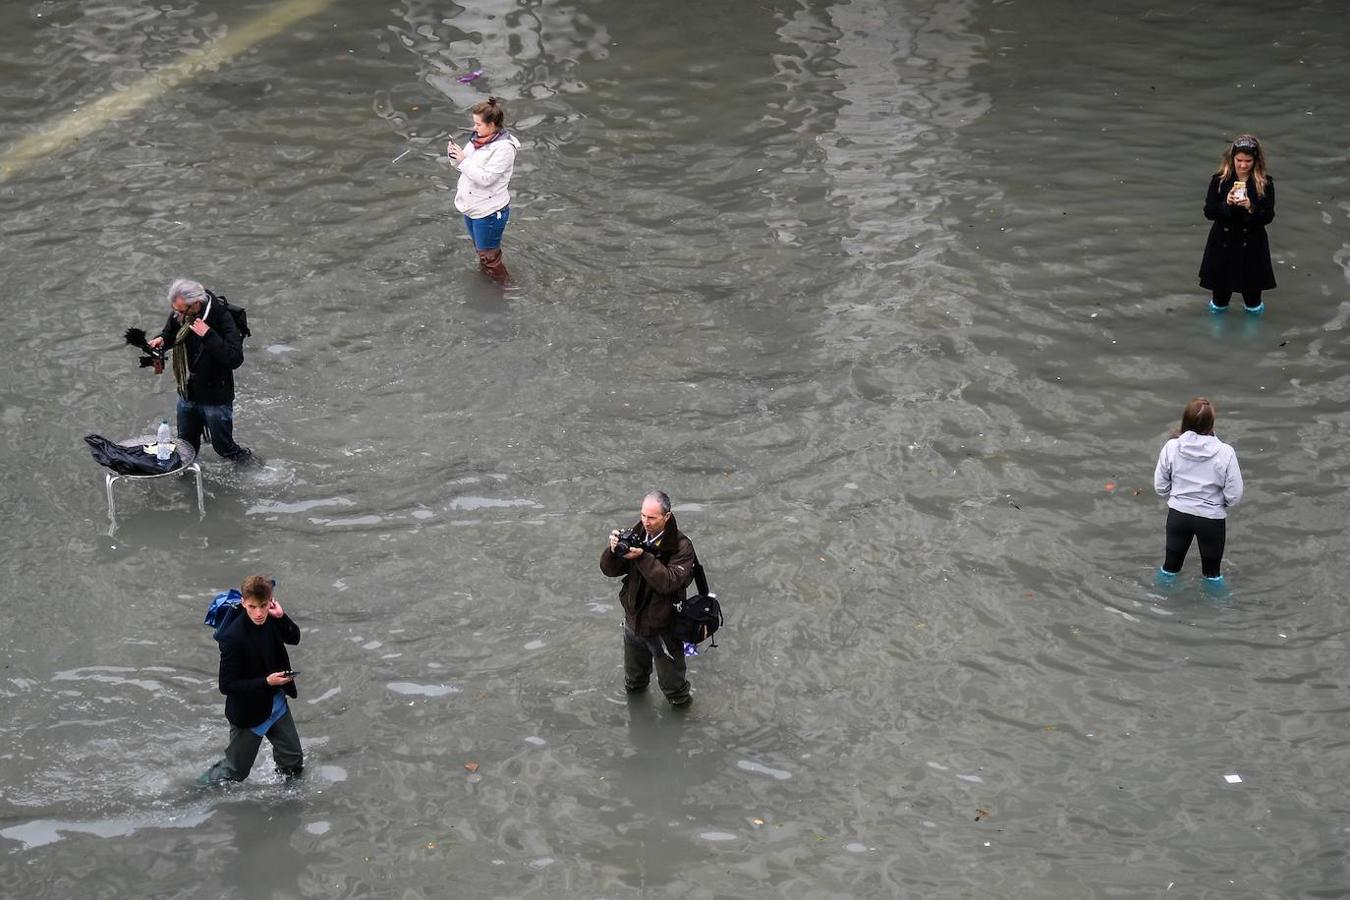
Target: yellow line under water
{"x":86,"y":121}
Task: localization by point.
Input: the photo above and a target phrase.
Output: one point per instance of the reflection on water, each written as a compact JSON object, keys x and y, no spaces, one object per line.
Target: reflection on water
{"x":885,"y":294}
{"x":40,"y":832}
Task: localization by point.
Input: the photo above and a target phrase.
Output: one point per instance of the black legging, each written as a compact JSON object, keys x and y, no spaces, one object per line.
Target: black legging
{"x":1209,"y":533}
{"x":1251,"y":299}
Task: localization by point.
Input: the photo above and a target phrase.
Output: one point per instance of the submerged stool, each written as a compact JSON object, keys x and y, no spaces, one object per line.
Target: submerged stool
{"x":187,"y":462}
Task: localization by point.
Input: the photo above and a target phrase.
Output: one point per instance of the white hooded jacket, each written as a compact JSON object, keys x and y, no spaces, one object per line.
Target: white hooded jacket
{"x":1198,"y":474}
{"x":484,"y":174}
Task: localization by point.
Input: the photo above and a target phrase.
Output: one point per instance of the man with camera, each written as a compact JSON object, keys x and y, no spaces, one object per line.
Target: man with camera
{"x":207,"y":347}
{"x":656,"y":561}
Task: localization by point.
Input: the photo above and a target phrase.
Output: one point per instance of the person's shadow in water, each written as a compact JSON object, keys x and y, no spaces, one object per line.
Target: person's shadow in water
{"x":266,"y":862}
{"x":654,"y":776}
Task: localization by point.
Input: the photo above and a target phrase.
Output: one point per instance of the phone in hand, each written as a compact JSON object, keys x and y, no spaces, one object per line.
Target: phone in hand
{"x":291,"y":673}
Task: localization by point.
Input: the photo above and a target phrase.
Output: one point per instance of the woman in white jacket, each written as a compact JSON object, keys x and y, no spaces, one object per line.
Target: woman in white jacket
{"x":485,"y":166}
{"x":1199,"y":476}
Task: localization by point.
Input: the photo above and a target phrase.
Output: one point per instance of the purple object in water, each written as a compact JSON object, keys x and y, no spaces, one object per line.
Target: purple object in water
{"x":465,"y":79}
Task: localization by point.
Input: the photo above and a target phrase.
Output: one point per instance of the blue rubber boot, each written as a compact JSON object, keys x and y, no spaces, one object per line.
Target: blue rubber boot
{"x":1215,"y":587}
{"x":1253,"y":310}
{"x":1216,"y":308}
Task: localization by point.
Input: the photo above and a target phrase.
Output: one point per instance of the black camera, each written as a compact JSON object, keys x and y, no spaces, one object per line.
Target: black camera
{"x":156,"y":359}
{"x":154,"y":356}
{"x":628,"y":540}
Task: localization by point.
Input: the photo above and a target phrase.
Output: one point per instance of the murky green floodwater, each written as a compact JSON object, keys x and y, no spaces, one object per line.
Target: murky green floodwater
{"x":884,"y":293}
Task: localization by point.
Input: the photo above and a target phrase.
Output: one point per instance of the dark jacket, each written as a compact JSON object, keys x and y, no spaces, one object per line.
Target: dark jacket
{"x":211,"y":359}
{"x":653,"y":582}
{"x":248,"y":654}
{"x":1237,"y":254}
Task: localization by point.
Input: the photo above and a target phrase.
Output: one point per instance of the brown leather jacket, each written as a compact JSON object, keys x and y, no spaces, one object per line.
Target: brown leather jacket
{"x":653,"y":582}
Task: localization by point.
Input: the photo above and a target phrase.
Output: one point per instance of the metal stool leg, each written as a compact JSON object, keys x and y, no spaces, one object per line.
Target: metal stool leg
{"x":201,"y":500}
{"x":108,"y":483}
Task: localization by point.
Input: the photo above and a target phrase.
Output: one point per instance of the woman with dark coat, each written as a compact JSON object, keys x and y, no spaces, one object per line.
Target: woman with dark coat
{"x":1241,"y":203}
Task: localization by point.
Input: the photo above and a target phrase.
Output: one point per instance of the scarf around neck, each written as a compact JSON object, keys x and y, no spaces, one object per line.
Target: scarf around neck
{"x":480,"y":143}
{"x":180,"y":362}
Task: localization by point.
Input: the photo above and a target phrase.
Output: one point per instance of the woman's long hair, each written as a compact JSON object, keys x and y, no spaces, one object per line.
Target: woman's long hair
{"x":1245,"y":143}
{"x":1198,"y":416}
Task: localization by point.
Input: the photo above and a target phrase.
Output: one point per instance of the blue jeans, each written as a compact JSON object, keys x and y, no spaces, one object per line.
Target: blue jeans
{"x":487,"y":231}
{"x":217,"y":419}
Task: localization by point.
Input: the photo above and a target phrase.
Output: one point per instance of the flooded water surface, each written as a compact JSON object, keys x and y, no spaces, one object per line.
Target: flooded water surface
{"x":896,"y":298}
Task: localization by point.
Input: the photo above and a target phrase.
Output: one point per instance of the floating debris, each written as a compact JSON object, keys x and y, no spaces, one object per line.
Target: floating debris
{"x":410,"y":688}
{"x":465,"y":79}
{"x":749,"y":766}
{"x":401,"y":155}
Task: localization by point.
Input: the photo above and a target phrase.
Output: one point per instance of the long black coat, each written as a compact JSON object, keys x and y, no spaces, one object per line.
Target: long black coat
{"x":1237,"y":254}
{"x":248,"y":654}
{"x":211,"y":359}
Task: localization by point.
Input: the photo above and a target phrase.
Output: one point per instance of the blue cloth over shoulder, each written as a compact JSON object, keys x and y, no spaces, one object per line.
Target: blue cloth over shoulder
{"x":224,"y":607}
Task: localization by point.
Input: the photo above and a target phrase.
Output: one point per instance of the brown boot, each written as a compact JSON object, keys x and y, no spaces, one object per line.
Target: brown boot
{"x":491,"y":263}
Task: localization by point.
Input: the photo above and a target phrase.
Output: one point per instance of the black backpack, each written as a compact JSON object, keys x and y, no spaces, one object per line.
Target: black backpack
{"x":238,"y":312}
{"x":697,"y":618}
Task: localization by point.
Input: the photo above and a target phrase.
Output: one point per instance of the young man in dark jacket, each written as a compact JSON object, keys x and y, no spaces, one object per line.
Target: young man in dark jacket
{"x":207,"y":348}
{"x":254,"y":667}
{"x":655,"y":573}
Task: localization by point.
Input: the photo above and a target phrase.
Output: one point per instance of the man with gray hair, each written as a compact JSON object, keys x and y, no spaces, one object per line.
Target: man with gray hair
{"x":207,"y":348}
{"x":656,"y":561}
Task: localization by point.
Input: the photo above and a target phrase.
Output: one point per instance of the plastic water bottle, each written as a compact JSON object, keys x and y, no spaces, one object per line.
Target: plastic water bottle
{"x":164,"y":442}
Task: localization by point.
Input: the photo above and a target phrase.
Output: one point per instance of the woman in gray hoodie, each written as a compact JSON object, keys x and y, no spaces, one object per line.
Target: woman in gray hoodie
{"x":1199,"y":476}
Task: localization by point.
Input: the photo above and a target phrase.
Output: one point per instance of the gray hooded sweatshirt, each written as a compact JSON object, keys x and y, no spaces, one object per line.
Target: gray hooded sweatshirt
{"x":1198,"y":474}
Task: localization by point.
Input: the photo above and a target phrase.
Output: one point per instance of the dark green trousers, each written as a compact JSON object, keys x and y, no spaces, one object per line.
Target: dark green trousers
{"x":638,"y":661}
{"x":243,"y":750}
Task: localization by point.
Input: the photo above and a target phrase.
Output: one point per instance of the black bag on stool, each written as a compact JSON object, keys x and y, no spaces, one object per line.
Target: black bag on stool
{"x":128,"y":460}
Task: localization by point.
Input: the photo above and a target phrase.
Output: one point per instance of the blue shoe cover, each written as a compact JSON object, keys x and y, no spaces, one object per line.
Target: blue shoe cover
{"x":1216,"y":308}
{"x":1254,"y":310}
{"x":1166,"y":577}
{"x":1216,"y":590}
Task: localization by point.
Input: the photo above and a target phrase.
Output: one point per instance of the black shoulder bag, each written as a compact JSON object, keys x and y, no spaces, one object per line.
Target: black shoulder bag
{"x":697,"y":618}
